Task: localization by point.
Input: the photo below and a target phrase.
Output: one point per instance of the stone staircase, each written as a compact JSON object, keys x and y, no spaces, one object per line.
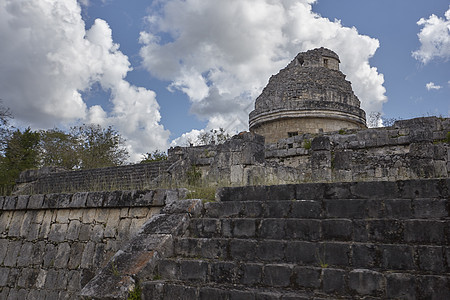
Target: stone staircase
{"x":366,"y":240}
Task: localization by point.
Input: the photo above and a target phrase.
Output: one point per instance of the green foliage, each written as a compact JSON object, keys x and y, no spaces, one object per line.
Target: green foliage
{"x":206,"y":193}
{"x":156,"y":155}
{"x":135,"y":294}
{"x":447,"y":139}
{"x":214,"y":136}
{"x":5,"y":115}
{"x":342,"y":131}
{"x":21,"y":153}
{"x":307,"y":144}
{"x":193,"y":175}
{"x":157,"y":277}
{"x":99,"y":147}
{"x":58,"y":148}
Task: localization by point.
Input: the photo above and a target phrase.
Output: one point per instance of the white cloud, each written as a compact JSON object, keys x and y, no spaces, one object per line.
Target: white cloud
{"x":432,"y":86}
{"x":222,"y":53}
{"x":434,"y":38}
{"x":47,"y":59}
{"x":186,"y":139}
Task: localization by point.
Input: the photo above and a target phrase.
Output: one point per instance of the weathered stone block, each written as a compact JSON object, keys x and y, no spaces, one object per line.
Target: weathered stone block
{"x":193,"y":270}
{"x":244,"y":228}
{"x":397,"y":257}
{"x":431,"y":259}
{"x":277,"y":275}
{"x":252,"y":209}
{"x":12,"y":253}
{"x":76,"y":252}
{"x":302,"y":229}
{"x":333,"y":254}
{"x":10,"y":203}
{"x":223,"y":272}
{"x":306,"y":209}
{"x":398,"y":208}
{"x":303,"y":253}
{"x":340,"y":230}
{"x":364,"y":256}
{"x":400,"y":286}
{"x":25,"y":254}
{"x":276,"y":209}
{"x":281,"y":192}
{"x":4,"y":273}
{"x":433,"y":287}
{"x":49,"y":256}
{"x":270,"y":251}
{"x":62,"y":256}
{"x":250,"y":274}
{"x":167,"y":224}
{"x":334,"y":281}
{"x":423,"y":231}
{"x":273,"y":229}
{"x":22,"y":201}
{"x":243,"y":250}
{"x":366,"y":282}
{"x":88,"y":254}
{"x":95,"y":199}
{"x":321,"y":143}
{"x":310,"y":191}
{"x":168,"y":269}
{"x":430,"y":208}
{"x":57,"y":232}
{"x":84,"y":232}
{"x":193,"y":207}
{"x":307,"y":277}
{"x":388,"y":231}
{"x":51,"y":280}
{"x":172,"y":291}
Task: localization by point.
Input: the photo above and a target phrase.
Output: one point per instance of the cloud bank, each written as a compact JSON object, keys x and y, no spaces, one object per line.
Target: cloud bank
{"x":222,"y":53}
{"x":48,"y":58}
{"x":434,"y":38}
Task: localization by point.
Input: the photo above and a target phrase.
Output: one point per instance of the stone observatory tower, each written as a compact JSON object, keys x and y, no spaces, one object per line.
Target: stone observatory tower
{"x":310,"y":95}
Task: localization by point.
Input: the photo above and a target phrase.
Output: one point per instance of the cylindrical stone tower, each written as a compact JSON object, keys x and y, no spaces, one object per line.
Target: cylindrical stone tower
{"x":310,"y":95}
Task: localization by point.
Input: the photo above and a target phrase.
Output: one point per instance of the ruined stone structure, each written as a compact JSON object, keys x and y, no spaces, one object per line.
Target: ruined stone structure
{"x":355,"y":240}
{"x":366,"y":214}
{"x":416,"y":148}
{"x":310,"y":95}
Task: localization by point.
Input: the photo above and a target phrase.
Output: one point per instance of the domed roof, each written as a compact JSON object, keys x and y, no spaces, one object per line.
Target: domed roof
{"x":310,"y":82}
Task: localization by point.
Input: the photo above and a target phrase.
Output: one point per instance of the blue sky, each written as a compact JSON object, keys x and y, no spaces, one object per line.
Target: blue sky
{"x":162,"y":71}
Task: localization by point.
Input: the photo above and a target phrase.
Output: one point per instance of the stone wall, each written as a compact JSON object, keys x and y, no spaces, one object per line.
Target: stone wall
{"x":272,"y":131}
{"x":54,"y":180}
{"x":354,"y":240}
{"x":416,"y":148}
{"x":52,"y":245}
{"x":363,"y":240}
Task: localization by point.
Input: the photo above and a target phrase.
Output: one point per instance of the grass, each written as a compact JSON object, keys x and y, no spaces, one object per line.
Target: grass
{"x":135,"y":294}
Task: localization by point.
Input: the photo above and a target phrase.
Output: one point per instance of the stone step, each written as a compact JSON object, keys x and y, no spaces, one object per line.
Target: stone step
{"x":389,"y":208}
{"x":275,"y":277}
{"x":393,"y":257}
{"x":163,"y":290}
{"x":407,"y":189}
{"x":416,"y":231}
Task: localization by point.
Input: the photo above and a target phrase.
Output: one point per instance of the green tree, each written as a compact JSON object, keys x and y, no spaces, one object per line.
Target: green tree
{"x":21,"y":153}
{"x":156,"y":155}
{"x":5,"y":116}
{"x":214,"y":136}
{"x":99,"y":147}
{"x":58,"y":148}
